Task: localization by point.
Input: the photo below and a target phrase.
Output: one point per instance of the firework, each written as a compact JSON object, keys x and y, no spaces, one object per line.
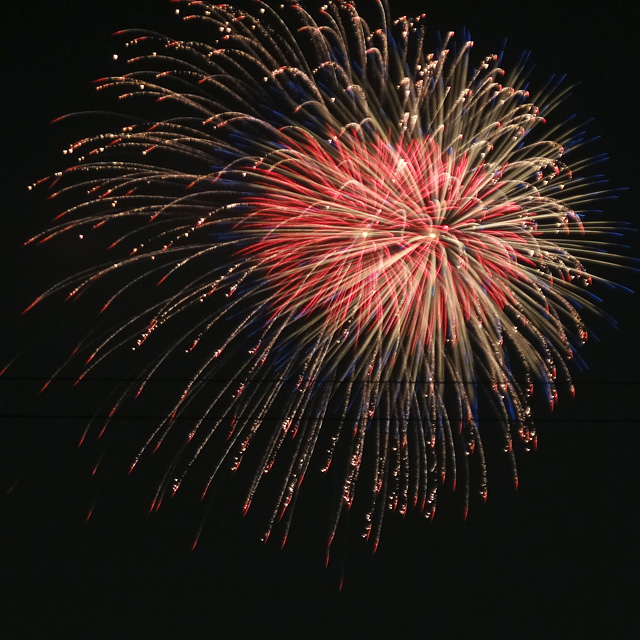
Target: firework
{"x":370,"y":243}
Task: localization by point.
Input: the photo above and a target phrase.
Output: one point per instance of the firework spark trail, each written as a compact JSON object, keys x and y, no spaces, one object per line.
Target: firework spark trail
{"x":381,"y":224}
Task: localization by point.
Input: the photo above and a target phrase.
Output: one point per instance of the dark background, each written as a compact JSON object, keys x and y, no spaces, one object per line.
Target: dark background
{"x":556,"y":559}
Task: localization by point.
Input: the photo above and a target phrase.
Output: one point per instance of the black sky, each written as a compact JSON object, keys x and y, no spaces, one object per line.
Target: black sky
{"x":556,"y":559}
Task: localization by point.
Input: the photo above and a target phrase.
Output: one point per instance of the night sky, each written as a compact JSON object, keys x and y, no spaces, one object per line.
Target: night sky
{"x":556,"y":559}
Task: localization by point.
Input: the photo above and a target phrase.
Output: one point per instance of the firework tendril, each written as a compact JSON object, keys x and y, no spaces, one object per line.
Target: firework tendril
{"x":371,"y":243}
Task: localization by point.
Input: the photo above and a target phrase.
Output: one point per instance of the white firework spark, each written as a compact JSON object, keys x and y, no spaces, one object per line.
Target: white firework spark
{"x":381,"y":235}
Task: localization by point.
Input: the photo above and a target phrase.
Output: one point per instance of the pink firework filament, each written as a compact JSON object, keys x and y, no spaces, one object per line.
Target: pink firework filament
{"x":393,"y":230}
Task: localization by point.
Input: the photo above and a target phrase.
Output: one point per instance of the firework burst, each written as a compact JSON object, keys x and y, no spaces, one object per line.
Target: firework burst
{"x":370,"y":241}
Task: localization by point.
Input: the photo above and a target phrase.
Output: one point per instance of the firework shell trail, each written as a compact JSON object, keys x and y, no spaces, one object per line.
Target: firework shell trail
{"x":371,"y":242}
